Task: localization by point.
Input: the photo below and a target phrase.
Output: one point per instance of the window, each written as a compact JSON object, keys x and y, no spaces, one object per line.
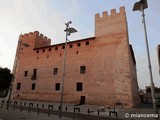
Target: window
{"x":33,"y":86}
{"x":34,"y":76}
{"x":87,"y":43}
{"x":37,"y":51}
{"x":56,"y":48}
{"x":57,"y":88}
{"x":79,"y":86}
{"x":25,"y":73}
{"x":79,"y":44}
{"x":77,"y":52}
{"x":63,"y":47}
{"x":70,"y":46}
{"x":47,"y":56}
{"x":55,"y":71}
{"x":43,"y":50}
{"x":49,"y":49}
{"x":18,"y":86}
{"x":82,"y":69}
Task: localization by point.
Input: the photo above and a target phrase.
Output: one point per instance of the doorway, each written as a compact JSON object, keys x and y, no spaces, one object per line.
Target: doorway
{"x":82,"y":100}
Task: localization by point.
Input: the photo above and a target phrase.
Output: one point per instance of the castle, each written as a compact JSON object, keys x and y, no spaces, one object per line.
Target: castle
{"x":100,"y":70}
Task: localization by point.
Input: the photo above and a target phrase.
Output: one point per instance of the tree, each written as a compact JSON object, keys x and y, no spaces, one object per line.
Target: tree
{"x":5,"y":78}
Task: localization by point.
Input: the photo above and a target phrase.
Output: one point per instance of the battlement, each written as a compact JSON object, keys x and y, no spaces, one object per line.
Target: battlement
{"x":35,"y":33}
{"x":39,"y":39}
{"x":44,"y":38}
{"x":113,"y":13}
{"x":42,"y":41}
{"x":106,"y":24}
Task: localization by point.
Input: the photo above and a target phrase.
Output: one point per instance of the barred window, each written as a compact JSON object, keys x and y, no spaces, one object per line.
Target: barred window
{"x":82,"y":69}
{"x":55,"y":71}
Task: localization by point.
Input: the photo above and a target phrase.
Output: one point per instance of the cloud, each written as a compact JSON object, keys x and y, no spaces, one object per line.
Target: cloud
{"x":19,"y":16}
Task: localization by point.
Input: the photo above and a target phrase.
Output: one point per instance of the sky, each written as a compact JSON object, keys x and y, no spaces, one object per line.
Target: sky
{"x":49,"y":17}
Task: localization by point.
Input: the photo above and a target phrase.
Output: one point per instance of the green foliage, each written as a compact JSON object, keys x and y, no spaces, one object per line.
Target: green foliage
{"x":5,"y":78}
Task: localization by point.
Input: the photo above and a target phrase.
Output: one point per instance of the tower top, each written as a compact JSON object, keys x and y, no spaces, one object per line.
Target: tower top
{"x":113,"y":13}
{"x":36,"y":39}
{"x":106,"y":24}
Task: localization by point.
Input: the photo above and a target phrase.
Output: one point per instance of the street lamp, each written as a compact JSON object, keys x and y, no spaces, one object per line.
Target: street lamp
{"x":68,"y":31}
{"x":158,"y":51}
{"x":141,"y":5}
{"x":14,"y":69}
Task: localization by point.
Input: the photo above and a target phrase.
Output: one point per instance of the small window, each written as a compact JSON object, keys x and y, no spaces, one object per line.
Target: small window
{"x":43,"y":50}
{"x":57,"y":87}
{"x":63,"y":47}
{"x":18,"y":86}
{"x":60,"y":54}
{"x":37,"y":58}
{"x":34,"y":76}
{"x":77,"y":52}
{"x":56,"y":48}
{"x":25,"y":73}
{"x":37,"y":51}
{"x":82,"y":69}
{"x":87,"y":43}
{"x":33,"y":86}
{"x":47,"y":56}
{"x":55,"y":71}
{"x":70,"y":46}
{"x":79,"y":86}
{"x":79,"y":44}
{"x":49,"y":49}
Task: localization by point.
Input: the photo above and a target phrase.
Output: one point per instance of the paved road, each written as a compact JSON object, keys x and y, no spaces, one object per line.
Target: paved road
{"x":9,"y":114}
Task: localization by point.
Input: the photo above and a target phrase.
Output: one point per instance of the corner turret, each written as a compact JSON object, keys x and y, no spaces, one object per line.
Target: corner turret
{"x":35,"y":40}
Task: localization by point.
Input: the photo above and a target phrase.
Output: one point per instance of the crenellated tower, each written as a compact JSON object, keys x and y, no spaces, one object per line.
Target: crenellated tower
{"x":26,"y":44}
{"x":106,"y":24}
{"x":35,"y":40}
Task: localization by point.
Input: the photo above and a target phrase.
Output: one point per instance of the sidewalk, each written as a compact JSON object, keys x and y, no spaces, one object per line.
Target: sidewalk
{"x":84,"y":110}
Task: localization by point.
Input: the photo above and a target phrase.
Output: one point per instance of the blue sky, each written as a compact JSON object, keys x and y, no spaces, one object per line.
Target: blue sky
{"x":49,"y":16}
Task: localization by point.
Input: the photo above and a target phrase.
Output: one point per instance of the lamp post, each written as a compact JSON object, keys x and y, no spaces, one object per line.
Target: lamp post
{"x":158,"y":53}
{"x":141,"y":5}
{"x":14,"y":69}
{"x":68,"y":31}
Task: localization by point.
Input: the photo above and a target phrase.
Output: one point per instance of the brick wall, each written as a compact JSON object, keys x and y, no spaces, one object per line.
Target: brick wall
{"x":110,"y":70}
